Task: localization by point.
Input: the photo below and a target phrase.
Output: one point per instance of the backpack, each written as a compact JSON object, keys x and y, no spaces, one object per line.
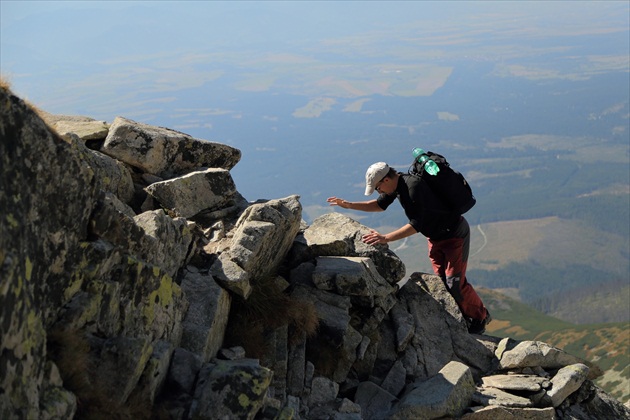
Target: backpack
{"x":449,"y":185}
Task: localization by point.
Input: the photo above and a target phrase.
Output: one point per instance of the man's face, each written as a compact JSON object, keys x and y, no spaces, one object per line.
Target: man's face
{"x":385,"y":185}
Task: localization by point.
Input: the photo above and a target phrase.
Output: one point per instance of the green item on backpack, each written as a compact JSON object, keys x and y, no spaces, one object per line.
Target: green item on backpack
{"x":447,"y":184}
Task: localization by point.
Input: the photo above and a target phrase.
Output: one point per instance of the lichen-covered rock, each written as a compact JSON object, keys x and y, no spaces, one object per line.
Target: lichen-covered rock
{"x":154,"y":375}
{"x":230,"y":389}
{"x":46,"y":198}
{"x":335,"y":234}
{"x":56,"y":402}
{"x":211,"y":189}
{"x":261,"y":240}
{"x":207,"y":316}
{"x":151,"y":236}
{"x":127,"y":357}
{"x":111,"y":175}
{"x":164,"y":152}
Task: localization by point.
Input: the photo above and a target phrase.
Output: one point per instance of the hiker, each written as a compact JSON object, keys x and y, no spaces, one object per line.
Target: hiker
{"x":447,"y":232}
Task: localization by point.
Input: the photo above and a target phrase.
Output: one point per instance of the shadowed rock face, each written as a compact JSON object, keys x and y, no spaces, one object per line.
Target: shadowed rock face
{"x":125,"y":261}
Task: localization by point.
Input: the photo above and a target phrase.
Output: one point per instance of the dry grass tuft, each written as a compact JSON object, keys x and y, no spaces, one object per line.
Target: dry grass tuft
{"x":267,"y":308}
{"x":70,"y":351}
{"x":4,"y":83}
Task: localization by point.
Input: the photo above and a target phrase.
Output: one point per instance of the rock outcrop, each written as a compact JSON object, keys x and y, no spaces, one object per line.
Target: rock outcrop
{"x":136,"y":282}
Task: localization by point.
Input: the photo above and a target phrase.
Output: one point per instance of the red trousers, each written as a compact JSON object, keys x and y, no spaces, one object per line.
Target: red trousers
{"x":449,"y":258}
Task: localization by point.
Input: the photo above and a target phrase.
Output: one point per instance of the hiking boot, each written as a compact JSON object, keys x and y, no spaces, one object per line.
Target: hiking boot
{"x":479,"y":326}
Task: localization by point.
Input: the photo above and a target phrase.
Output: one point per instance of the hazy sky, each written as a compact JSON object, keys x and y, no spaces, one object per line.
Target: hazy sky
{"x":93,"y":57}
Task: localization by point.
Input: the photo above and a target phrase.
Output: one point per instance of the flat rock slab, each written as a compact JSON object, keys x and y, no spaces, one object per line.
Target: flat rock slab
{"x":164,"y":152}
{"x":516,"y":382}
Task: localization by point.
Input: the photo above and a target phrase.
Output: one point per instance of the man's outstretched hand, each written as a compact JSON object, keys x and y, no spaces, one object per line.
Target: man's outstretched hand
{"x":374,"y":238}
{"x":335,"y":201}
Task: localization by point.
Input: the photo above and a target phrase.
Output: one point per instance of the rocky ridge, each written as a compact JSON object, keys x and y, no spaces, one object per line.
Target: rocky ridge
{"x":128,"y":257}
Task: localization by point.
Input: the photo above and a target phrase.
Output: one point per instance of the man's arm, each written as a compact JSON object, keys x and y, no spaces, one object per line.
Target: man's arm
{"x":371,"y":205}
{"x":374,"y":237}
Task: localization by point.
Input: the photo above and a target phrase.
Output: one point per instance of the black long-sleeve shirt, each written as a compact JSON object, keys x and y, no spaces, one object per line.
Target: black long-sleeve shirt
{"x":426,"y":213}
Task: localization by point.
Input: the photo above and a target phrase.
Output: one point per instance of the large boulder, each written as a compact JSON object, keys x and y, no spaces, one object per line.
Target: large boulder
{"x":207,"y":316}
{"x":446,"y":394}
{"x":260,"y":242}
{"x":47,"y":196}
{"x":230,"y":389}
{"x":211,"y":189}
{"x":86,"y":128}
{"x":335,"y":234}
{"x":442,"y":338}
{"x":165,"y":152}
{"x":513,"y":355}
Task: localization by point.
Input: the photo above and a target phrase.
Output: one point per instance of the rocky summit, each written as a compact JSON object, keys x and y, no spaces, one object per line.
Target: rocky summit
{"x":136,"y":282}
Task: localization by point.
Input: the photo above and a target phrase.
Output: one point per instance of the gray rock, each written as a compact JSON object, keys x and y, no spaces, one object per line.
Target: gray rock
{"x":440,"y":339}
{"x":164,"y":152}
{"x":154,"y":375}
{"x":230,"y":389}
{"x":394,"y":382}
{"x":56,"y":402}
{"x":495,"y":412}
{"x":152,"y":236}
{"x":375,"y":402}
{"x":231,"y":276}
{"x":494,"y":396}
{"x":47,"y":196}
{"x":293,"y":406}
{"x":591,"y":402}
{"x":447,"y":394}
{"x":211,"y":189}
{"x":128,"y":358}
{"x":350,"y":276}
{"x":566,"y":381}
{"x":516,"y":382}
{"x":335,"y":234}
{"x":167,"y":240}
{"x":207,"y":316}
{"x":404,"y":326}
{"x":112,"y":175}
{"x":296,"y":366}
{"x":276,"y":359}
{"x":335,"y":333}
{"x":86,"y":130}
{"x":233,"y":353}
{"x":332,"y":311}
{"x":261,"y":240}
{"x":533,"y":353}
{"x":182,"y":373}
{"x":323,"y":391}
{"x":347,"y":406}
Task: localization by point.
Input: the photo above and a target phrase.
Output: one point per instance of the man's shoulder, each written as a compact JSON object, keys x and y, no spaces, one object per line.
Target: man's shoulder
{"x":412,"y":181}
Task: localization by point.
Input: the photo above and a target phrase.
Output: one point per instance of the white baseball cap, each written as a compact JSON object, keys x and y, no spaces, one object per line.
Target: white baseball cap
{"x":375,"y":173}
